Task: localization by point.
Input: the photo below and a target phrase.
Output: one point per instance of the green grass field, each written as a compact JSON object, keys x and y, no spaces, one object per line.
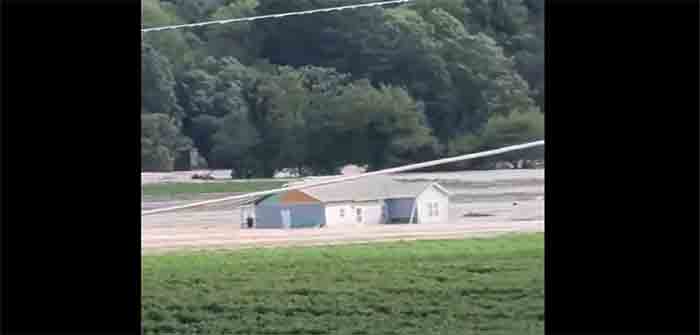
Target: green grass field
{"x":472,"y":286}
{"x":169,"y":189}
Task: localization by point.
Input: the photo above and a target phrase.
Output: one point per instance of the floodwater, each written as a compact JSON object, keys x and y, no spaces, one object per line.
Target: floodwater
{"x":481,"y":202}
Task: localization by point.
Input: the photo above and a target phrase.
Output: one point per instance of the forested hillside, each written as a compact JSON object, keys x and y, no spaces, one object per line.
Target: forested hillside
{"x":376,"y":86}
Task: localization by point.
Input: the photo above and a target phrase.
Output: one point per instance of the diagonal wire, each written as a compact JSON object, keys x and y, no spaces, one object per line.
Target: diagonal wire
{"x":352,"y":177}
{"x":276,"y":16}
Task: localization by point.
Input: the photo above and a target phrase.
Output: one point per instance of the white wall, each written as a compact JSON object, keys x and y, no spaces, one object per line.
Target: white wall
{"x":371,"y":213}
{"x":333,"y":218}
{"x":431,"y":194}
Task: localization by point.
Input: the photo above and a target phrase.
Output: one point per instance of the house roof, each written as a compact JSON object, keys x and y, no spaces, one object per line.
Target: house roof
{"x":368,"y":188}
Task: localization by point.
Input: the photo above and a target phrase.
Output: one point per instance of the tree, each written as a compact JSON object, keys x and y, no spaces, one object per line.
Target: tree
{"x":278,"y":102}
{"x":233,"y":143}
{"x":157,"y":83}
{"x":379,"y":86}
{"x":513,"y":129}
{"x":235,"y":40}
{"x":382,"y":127}
{"x":208,"y":93}
{"x":160,"y":142}
{"x":501,"y":131}
{"x":485,"y":79}
{"x":201,"y":128}
{"x":197,"y":10}
{"x":176,"y":45}
{"x":529,"y":61}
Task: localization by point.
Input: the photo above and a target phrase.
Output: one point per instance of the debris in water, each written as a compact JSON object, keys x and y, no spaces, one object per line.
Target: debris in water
{"x":472,"y":214}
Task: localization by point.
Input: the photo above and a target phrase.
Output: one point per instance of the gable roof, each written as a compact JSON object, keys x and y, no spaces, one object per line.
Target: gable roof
{"x":369,"y":188}
{"x":297,"y":196}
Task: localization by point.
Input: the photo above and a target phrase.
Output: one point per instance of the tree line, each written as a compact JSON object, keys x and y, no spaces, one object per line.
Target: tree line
{"x":375,"y":86}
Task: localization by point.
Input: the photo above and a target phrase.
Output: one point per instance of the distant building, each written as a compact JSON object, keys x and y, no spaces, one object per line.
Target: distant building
{"x":370,"y":200}
{"x":352,"y":169}
{"x":287,"y":173}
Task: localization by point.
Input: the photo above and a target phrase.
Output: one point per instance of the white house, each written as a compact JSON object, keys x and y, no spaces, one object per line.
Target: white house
{"x":366,"y":201}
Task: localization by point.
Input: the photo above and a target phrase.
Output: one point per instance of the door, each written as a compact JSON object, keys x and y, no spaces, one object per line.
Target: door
{"x":385,"y":212}
{"x":286,"y":218}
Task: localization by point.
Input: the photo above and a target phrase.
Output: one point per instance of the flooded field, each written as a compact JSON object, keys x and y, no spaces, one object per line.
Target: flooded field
{"x":481,"y":202}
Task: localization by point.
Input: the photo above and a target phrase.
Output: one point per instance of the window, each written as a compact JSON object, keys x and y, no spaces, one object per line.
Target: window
{"x":359,"y":214}
{"x":342,"y":212}
{"x":433,"y":209}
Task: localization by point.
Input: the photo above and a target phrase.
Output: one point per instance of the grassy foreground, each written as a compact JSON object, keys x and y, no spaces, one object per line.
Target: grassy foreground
{"x":472,"y":286}
{"x":210,"y":187}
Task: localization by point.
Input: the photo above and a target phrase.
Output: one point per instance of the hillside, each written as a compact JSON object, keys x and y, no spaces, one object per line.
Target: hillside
{"x":373,"y":86}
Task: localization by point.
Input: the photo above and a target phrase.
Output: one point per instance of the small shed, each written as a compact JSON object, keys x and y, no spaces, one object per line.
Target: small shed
{"x":369,"y":200}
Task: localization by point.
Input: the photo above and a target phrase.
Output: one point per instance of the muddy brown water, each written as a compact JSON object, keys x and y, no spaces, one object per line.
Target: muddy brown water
{"x":481,"y":202}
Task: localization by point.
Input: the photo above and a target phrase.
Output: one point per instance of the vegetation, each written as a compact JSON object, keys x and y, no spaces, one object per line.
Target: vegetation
{"x":169,"y":189}
{"x":475,"y":286}
{"x":376,"y":86}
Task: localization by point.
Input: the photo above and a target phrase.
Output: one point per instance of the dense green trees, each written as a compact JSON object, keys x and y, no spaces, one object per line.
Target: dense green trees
{"x":161,"y":140}
{"x":501,"y":131}
{"x":377,"y":86}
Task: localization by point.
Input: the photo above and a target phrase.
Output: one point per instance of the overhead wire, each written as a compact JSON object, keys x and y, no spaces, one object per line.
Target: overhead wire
{"x":274,"y":16}
{"x":245,"y":198}
{"x":349,"y":178}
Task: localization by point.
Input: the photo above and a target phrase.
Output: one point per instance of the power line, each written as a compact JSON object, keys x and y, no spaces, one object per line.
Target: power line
{"x":276,"y":16}
{"x":353,"y":177}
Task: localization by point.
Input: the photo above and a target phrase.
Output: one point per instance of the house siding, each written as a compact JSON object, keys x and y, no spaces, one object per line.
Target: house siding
{"x":333,"y":218}
{"x":431,"y":194}
{"x":307,"y":215}
{"x":268,"y":212}
{"x":302,"y":215}
{"x":371,"y":213}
